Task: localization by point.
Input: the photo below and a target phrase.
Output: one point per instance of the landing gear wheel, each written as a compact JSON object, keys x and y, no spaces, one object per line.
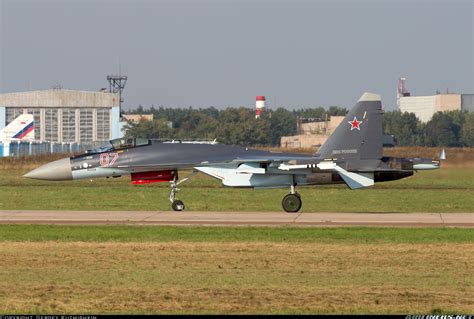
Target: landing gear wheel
{"x":178,"y":205}
{"x":291,"y":203}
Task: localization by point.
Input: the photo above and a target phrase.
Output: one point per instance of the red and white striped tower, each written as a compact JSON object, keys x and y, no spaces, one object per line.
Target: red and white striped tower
{"x":259,"y":106}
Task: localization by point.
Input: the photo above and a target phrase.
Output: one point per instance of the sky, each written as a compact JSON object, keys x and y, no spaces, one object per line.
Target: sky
{"x":224,"y":53}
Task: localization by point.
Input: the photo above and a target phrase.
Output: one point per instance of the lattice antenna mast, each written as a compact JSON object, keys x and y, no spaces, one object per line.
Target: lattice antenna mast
{"x":117,"y":85}
{"x":401,"y":90}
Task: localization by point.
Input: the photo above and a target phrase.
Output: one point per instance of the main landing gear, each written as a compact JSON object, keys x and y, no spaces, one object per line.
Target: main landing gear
{"x":177,"y":204}
{"x":292,"y":202}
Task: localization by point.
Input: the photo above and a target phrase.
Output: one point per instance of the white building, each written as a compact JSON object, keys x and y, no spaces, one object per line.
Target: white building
{"x":65,"y":115}
{"x":424,"y":107}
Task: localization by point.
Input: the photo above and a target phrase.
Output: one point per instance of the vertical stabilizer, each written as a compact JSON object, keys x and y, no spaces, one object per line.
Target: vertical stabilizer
{"x":359,"y":136}
{"x":22,"y":128}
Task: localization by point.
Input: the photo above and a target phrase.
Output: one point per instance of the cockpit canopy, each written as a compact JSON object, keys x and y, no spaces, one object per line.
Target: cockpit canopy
{"x":121,"y":144}
{"x":124,"y":143}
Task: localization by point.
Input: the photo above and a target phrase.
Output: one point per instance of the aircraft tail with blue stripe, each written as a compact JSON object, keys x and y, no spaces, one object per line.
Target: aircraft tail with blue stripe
{"x":22,"y":128}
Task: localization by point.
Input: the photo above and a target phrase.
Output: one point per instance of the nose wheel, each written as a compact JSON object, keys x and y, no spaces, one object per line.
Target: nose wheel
{"x":177,"y":205}
{"x":292,"y":202}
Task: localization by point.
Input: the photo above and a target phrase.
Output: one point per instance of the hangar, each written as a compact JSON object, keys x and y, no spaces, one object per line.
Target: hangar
{"x":66,"y":116}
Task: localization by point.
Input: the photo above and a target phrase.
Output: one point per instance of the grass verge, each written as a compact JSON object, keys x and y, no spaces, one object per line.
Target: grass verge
{"x":117,"y":233}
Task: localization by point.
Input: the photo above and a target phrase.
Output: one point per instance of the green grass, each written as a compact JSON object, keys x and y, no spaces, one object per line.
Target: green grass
{"x":61,"y":233}
{"x":445,"y":190}
{"x":235,"y":277}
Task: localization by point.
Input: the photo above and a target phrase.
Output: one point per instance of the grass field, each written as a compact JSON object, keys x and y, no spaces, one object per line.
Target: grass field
{"x":126,"y":269}
{"x":445,"y":190}
{"x":211,"y":270}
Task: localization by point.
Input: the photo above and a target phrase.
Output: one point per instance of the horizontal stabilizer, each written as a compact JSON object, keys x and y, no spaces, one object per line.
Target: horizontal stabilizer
{"x":356,"y":180}
{"x":353,"y":180}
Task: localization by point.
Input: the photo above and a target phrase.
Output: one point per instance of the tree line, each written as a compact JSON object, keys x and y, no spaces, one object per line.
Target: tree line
{"x":238,"y":125}
{"x":453,"y":128}
{"x":234,"y":126}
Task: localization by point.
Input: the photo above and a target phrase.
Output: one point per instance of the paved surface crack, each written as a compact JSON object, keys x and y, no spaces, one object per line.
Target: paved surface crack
{"x":441,"y":217}
{"x":297,"y":216}
{"x":147,"y":217}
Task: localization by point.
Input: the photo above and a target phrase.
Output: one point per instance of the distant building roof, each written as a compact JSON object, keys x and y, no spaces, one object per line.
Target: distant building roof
{"x":59,"y":98}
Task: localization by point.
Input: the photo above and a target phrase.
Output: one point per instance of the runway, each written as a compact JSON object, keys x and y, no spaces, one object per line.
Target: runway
{"x":238,"y":218}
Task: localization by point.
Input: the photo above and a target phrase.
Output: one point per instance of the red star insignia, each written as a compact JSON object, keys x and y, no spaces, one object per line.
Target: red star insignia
{"x":355,"y":124}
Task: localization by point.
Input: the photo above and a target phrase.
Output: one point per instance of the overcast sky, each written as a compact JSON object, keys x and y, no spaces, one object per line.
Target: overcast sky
{"x":224,"y":53}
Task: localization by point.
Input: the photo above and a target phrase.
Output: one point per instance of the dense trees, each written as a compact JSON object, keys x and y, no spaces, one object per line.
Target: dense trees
{"x":454,"y":128}
{"x":404,"y":126}
{"x":467,"y":131}
{"x":442,"y":131}
{"x":238,"y":126}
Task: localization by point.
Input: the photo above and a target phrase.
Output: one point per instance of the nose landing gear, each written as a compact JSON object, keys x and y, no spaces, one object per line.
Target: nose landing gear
{"x":177,"y":204}
{"x":292,"y":203}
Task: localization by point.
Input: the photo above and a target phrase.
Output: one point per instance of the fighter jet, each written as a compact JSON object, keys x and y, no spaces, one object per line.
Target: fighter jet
{"x":352,"y":155}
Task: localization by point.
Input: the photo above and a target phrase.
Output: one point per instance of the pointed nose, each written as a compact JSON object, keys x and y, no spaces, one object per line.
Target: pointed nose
{"x":59,"y":170}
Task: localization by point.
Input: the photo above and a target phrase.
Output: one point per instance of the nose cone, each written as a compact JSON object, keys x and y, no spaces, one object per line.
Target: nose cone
{"x":59,"y":170}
